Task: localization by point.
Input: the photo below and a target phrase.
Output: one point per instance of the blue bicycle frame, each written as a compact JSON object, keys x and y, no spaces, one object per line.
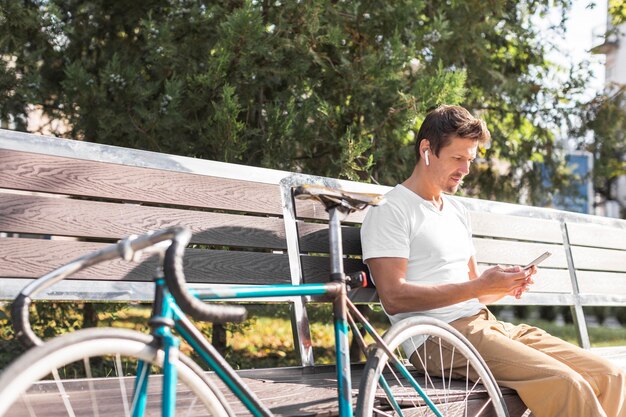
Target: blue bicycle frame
{"x":171,"y":313}
{"x":167,"y":313}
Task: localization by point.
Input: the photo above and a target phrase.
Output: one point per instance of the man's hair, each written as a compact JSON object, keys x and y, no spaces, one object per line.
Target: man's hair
{"x":444,"y":123}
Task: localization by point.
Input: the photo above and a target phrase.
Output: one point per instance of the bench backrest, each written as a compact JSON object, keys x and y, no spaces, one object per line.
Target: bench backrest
{"x":246,"y":230}
{"x":60,"y":199}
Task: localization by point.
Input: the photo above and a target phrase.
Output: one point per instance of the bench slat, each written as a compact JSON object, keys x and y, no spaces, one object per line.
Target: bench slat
{"x":55,"y":215}
{"x":314,"y":238}
{"x":515,"y":227}
{"x":286,"y":392}
{"x":539,"y":299}
{"x":599,"y":259}
{"x":95,"y":219}
{"x":606,"y":300}
{"x":585,"y":234}
{"x":82,"y":290}
{"x":317,"y":268}
{"x":43,"y":173}
{"x":596,"y":282}
{"x":509,"y":252}
{"x":32,"y":258}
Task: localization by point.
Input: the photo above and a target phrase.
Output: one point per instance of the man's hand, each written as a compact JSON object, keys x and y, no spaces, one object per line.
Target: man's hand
{"x":517,"y":293}
{"x":498,"y":281}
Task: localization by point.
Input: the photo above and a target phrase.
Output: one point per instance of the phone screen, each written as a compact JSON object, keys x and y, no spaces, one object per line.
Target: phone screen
{"x":539,"y":259}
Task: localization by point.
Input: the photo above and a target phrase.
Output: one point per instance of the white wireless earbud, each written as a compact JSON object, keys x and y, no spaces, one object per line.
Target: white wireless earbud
{"x":426,"y":157}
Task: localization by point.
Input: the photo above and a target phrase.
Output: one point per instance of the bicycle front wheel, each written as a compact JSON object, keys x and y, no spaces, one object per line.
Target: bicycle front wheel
{"x":93,"y":372}
{"x":448,"y":369}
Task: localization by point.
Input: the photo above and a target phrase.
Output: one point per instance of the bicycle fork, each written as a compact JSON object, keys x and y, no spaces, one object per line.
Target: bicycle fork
{"x":162,"y":324}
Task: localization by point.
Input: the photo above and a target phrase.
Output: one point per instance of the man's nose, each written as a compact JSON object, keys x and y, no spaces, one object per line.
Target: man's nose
{"x":465,"y":168}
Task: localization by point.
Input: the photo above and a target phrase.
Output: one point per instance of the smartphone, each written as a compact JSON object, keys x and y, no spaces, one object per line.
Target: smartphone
{"x":539,"y":259}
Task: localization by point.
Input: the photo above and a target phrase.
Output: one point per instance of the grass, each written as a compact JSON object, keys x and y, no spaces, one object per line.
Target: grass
{"x":599,"y":336}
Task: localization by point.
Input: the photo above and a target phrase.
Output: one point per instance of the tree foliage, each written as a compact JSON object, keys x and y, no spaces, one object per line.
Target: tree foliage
{"x":325,"y":87}
{"x":617,"y":11}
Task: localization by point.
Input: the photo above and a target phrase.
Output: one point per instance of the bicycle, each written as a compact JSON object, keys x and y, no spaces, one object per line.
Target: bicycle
{"x":153,"y":368}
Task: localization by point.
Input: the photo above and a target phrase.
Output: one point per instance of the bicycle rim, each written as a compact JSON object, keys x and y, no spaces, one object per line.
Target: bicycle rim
{"x":92,"y":372}
{"x":448,"y":388}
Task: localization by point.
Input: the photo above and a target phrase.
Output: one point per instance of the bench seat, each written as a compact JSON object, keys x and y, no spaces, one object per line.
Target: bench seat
{"x":288,"y":392}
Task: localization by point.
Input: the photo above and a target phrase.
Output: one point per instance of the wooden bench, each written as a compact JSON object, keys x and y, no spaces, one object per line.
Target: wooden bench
{"x":79,"y":196}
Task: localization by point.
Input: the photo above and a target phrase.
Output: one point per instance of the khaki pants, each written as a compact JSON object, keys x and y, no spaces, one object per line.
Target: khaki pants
{"x":553,"y":378}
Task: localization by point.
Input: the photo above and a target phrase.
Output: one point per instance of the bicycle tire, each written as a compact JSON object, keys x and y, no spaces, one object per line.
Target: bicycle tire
{"x":480,"y":398}
{"x":26,"y":390}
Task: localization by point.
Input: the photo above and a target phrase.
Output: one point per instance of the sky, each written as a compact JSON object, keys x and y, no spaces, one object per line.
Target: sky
{"x":582,"y":29}
{"x":583,"y":23}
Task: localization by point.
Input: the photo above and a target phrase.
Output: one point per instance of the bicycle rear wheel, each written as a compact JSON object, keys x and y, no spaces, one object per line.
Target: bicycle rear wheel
{"x":477,"y":395}
{"x":92,"y":373}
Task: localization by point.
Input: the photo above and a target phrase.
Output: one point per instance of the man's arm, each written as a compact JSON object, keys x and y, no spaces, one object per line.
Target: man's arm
{"x":398,"y":295}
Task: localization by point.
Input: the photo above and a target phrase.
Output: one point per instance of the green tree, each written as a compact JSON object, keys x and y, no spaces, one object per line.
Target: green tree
{"x":617,"y":10}
{"x":326,"y":87}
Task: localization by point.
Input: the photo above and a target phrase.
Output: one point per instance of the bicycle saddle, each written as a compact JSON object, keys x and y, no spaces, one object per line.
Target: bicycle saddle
{"x":345,"y":202}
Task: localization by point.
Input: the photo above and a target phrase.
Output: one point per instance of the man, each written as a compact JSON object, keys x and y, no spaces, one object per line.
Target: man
{"x":419,"y":250}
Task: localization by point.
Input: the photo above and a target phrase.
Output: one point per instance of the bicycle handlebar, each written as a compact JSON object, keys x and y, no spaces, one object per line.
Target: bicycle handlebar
{"x":128,"y":249}
{"x":175,"y":278}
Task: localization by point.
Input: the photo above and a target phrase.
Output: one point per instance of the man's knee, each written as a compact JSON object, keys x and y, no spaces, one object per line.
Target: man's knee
{"x":569,"y":395}
{"x":615,"y":378}
{"x":612,"y":391}
{"x":605,"y":376}
{"x":612,"y":384}
{"x":604,"y":392}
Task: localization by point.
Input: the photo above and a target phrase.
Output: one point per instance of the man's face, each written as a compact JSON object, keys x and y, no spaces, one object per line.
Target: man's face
{"x":453,"y":164}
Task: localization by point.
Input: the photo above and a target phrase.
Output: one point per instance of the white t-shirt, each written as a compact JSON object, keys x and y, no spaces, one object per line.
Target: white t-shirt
{"x":437,"y":243}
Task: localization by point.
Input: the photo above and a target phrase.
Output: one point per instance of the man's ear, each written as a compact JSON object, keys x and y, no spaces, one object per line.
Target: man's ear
{"x":424,"y":145}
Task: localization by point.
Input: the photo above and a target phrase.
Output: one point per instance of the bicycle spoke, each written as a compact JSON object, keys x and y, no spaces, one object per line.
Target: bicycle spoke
{"x":29,"y":408}
{"x":119,"y":370}
{"x":191,"y":407}
{"x":443,"y":372}
{"x":140,"y":384}
{"x":92,"y":390}
{"x":62,"y":393}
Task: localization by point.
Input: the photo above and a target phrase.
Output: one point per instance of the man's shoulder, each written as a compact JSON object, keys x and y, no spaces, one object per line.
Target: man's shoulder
{"x":397,"y":201}
{"x":399,"y":196}
{"x":395,"y":206}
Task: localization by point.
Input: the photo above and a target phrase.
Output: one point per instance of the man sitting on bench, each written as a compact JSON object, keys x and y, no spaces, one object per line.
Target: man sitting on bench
{"x":419,"y":250}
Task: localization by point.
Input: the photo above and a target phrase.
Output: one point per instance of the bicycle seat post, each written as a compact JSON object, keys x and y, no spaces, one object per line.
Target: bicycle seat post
{"x":336,"y":248}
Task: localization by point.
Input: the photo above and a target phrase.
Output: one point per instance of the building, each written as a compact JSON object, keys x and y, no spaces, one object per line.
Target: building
{"x":611,"y":42}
